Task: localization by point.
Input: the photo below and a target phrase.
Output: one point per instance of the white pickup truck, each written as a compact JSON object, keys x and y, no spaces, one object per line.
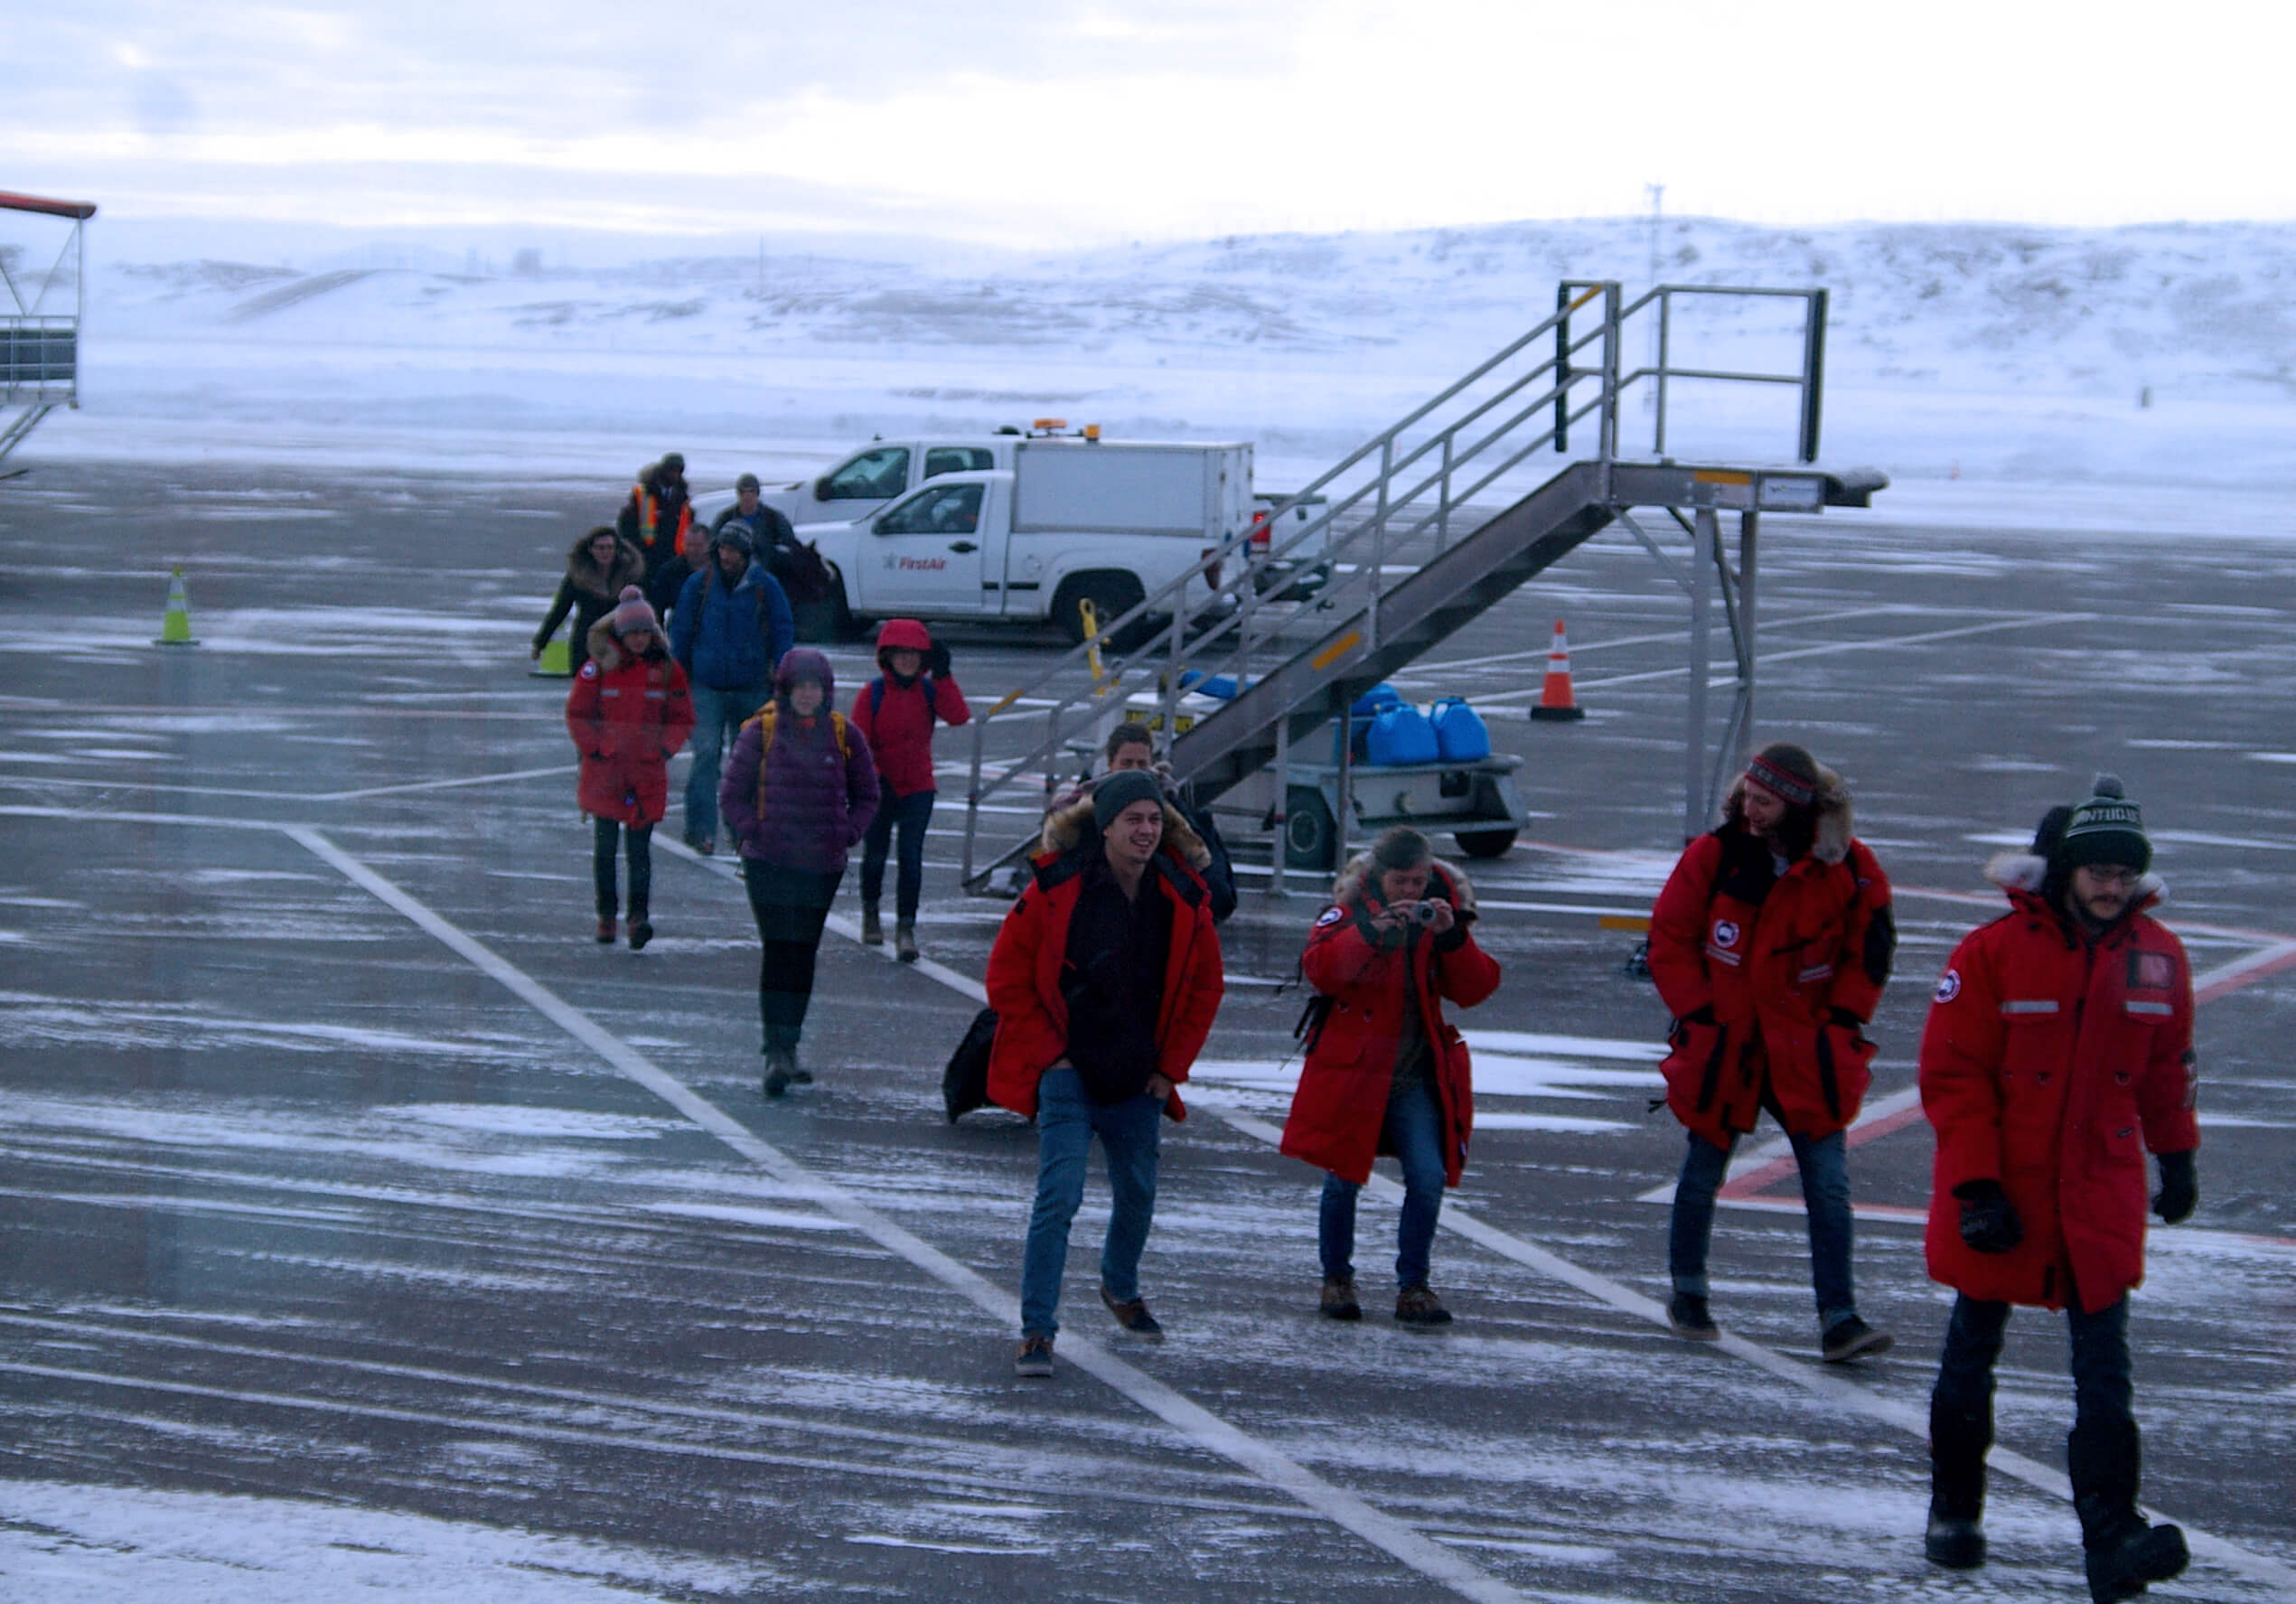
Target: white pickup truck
{"x":1024,"y":528}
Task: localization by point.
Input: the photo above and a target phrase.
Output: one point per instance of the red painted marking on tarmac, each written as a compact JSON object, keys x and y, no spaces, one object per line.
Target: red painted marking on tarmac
{"x":1760,"y":1178}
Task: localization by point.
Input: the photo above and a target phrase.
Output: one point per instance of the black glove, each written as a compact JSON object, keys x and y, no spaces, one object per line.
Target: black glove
{"x":2179,"y":1192}
{"x":1988,"y":1223}
{"x":936,"y":659}
{"x":1847,"y":1021}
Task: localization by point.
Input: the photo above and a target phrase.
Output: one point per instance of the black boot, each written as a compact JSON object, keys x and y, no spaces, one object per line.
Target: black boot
{"x":2123,"y":1552}
{"x":640,"y":927}
{"x":1958,"y":1440}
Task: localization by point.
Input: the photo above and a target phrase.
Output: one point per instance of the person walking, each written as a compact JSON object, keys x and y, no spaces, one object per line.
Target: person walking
{"x":896,"y":712}
{"x":1771,"y":943}
{"x":628,"y":712}
{"x":1105,"y":978}
{"x":659,"y":511}
{"x":1384,"y":1074}
{"x":770,"y":533}
{"x":2059,"y":1051}
{"x":668,"y":582}
{"x":597,"y":566}
{"x":1132,"y":746}
{"x":730,"y":632}
{"x":799,"y":791}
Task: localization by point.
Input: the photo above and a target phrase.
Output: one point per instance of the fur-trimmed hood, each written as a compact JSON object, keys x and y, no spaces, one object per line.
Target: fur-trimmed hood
{"x":606,"y":646}
{"x":1834,"y":820}
{"x":1356,"y":875}
{"x":628,"y":567}
{"x":1069,"y":827}
{"x":2028,"y":872}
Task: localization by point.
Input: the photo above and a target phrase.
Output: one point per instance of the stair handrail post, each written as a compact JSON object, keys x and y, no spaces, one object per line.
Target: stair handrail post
{"x":972,"y":794}
{"x":1443,"y":498}
{"x":1608,"y":449}
{"x":1279,"y":885}
{"x":1666,"y":339}
{"x":1379,"y":541}
{"x":1562,"y":368}
{"x":1344,"y":802}
{"x":1814,"y":318}
{"x":1705,"y":544}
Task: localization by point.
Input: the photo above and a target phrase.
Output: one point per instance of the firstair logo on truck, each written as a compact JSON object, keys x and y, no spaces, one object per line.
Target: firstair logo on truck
{"x":931,"y":565}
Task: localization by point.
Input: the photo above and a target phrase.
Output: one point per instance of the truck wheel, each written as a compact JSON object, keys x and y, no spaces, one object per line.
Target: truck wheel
{"x":1309,"y":836}
{"x":1486,"y":843}
{"x":1110,"y":594}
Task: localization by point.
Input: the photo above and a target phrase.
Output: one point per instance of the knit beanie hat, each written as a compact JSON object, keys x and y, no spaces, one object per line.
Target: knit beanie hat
{"x":2106,"y":827}
{"x":746,"y":482}
{"x":1119,"y":791}
{"x":1786,"y":771}
{"x":632,"y":616}
{"x":733,"y":537}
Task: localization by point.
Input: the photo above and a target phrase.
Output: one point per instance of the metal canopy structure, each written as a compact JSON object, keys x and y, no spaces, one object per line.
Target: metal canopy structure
{"x":1404,"y":533}
{"x":40,"y":321}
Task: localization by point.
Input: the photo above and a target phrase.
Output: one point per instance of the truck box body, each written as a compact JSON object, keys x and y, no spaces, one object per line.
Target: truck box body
{"x":1068,"y":487}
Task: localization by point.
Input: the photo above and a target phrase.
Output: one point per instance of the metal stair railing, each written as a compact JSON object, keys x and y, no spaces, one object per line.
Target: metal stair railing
{"x":1216,"y":621}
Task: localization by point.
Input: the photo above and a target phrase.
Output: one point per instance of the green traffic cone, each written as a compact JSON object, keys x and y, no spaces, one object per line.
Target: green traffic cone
{"x":176,"y":627}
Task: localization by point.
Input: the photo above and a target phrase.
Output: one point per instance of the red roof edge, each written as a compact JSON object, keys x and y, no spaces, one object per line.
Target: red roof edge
{"x":82,"y":210}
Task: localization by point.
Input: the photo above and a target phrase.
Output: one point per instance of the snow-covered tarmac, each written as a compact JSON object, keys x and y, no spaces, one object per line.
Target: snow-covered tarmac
{"x":368,"y":1227}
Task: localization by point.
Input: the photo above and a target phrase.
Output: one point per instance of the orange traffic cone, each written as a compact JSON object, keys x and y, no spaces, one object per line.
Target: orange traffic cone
{"x":1555,"y":698}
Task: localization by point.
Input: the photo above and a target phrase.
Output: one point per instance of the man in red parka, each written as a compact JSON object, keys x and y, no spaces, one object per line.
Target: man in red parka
{"x":2058,"y":1050}
{"x":1770,"y":944}
{"x":1105,"y":978}
{"x":1384,"y":1074}
{"x":629,"y":712}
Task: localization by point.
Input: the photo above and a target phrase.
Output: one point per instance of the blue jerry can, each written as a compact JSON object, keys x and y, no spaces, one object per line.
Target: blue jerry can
{"x":1401,"y":735}
{"x":1460,"y":734}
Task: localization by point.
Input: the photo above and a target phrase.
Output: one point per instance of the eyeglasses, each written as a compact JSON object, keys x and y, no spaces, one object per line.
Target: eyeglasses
{"x":2113,"y":874}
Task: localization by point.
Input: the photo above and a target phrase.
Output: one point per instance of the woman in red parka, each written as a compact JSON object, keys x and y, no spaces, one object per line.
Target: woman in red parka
{"x":2058,"y":1050}
{"x":629,"y":713}
{"x":1384,"y":1074}
{"x":896,"y":711}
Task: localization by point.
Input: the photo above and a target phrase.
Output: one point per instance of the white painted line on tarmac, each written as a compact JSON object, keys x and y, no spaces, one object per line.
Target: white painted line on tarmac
{"x":36,"y":782}
{"x":2030,"y":621}
{"x":1423,"y":1555}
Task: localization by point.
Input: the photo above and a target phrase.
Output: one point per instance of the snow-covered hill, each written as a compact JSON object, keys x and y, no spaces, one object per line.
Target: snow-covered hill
{"x":1988,"y":350}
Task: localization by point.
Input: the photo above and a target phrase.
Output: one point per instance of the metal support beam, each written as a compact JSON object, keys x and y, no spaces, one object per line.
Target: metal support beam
{"x":1749,"y":527}
{"x":1697,"y":808}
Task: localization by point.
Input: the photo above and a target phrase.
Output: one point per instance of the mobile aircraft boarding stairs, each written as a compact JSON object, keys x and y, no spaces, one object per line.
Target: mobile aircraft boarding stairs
{"x":1405,"y":528}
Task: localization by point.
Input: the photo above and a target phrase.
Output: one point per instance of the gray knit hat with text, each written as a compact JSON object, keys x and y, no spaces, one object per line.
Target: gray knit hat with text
{"x":2106,"y":827}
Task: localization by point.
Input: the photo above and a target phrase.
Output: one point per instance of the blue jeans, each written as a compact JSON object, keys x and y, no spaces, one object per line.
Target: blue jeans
{"x":912,"y":813}
{"x":1066,"y":1122}
{"x":716,"y":712}
{"x":1824,"y":1164}
{"x":2103,"y":1387}
{"x":1413,"y":1131}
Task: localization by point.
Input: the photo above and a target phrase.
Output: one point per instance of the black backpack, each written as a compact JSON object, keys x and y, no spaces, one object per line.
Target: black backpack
{"x":964,"y":1083}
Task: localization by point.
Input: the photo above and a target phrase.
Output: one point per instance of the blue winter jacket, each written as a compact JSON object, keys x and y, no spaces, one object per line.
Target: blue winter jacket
{"x":727,"y":637}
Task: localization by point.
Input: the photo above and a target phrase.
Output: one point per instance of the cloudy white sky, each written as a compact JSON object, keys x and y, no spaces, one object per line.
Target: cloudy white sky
{"x":1044,"y":122}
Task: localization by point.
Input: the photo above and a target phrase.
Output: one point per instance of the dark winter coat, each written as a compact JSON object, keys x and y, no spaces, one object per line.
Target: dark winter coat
{"x":800,"y":800}
{"x":2051,"y":1062}
{"x":1770,"y":978}
{"x":1340,"y":1104}
{"x":727,"y":636}
{"x":897,"y":715}
{"x":589,"y":592}
{"x":1025,"y":966}
{"x":628,"y":716}
{"x":769,"y":531}
{"x":656,"y":516}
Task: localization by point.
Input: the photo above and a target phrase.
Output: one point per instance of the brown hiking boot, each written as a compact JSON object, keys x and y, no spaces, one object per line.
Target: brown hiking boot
{"x":606,"y":932}
{"x":1339,"y":1298}
{"x":1134,"y":1317}
{"x":1420,"y":1307}
{"x":1035,"y":1357}
{"x":872,"y":933}
{"x":904,"y":941}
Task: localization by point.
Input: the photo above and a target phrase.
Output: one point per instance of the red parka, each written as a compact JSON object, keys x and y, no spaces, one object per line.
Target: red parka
{"x":897,"y":719}
{"x":1773,"y":967}
{"x":1341,"y":1103}
{"x":628,"y":717}
{"x":1032,"y":945}
{"x":2050,"y":1064}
